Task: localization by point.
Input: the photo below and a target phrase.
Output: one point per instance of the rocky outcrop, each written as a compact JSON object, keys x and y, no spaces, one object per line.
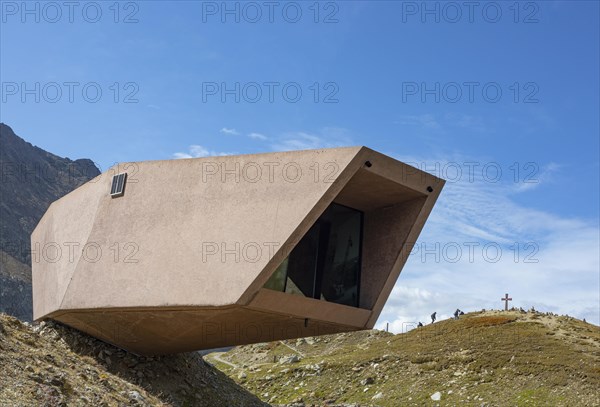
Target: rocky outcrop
{"x":30,"y":180}
{"x":53,"y":365}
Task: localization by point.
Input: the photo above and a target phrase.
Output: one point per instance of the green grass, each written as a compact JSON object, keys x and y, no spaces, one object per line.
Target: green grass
{"x":504,"y":358}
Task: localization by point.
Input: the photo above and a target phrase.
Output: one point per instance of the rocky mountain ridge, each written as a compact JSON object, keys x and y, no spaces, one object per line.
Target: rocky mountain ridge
{"x":30,"y":180}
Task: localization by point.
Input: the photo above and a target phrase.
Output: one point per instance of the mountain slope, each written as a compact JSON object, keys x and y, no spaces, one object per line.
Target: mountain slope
{"x":52,"y":365}
{"x":30,"y":180}
{"x":485,"y":358}
{"x":15,"y":287}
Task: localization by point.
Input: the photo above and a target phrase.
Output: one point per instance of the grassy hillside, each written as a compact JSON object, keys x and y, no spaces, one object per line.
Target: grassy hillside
{"x":485,"y":358}
{"x":53,"y":365}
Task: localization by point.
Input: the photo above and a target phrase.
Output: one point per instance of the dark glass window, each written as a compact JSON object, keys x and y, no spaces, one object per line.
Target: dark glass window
{"x":326,"y":262}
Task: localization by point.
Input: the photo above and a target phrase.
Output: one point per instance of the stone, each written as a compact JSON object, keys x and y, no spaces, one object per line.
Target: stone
{"x":289,"y":359}
{"x":134,"y":395}
{"x":368,"y":380}
{"x":378,"y":396}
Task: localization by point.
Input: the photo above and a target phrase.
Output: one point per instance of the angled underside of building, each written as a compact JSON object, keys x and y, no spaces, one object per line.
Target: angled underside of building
{"x":162,"y":257}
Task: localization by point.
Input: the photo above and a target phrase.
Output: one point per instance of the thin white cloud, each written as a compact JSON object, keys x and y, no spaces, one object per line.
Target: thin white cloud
{"x":533,"y":175}
{"x":197,"y":151}
{"x":443,"y":123}
{"x":423,"y":120}
{"x":232,"y":132}
{"x":326,"y":137}
{"x":546,"y":260}
{"x":182,"y":155}
{"x":299,"y":140}
{"x":465,"y":121}
{"x":257,"y":136}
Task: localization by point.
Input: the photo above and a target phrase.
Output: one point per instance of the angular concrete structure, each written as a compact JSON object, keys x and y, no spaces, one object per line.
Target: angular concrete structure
{"x":209,"y":252}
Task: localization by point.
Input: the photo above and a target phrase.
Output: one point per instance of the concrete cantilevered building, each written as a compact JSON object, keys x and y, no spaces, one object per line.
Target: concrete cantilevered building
{"x":170,"y":256}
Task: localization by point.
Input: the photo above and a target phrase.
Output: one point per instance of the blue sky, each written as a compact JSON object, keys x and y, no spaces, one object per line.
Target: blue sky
{"x":505,"y":86}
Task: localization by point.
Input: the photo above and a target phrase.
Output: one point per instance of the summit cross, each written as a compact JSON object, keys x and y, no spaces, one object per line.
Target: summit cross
{"x":506,"y":300}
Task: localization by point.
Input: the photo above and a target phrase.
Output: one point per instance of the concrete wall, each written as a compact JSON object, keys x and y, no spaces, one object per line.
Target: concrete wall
{"x":200,"y":237}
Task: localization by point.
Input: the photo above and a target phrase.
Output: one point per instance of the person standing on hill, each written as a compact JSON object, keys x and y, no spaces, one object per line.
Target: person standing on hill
{"x":457,"y":313}
{"x":433,"y":317}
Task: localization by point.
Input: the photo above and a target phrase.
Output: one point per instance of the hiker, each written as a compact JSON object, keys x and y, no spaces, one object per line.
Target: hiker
{"x":420,"y":324}
{"x":433,"y":317}
{"x":456,"y":313}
